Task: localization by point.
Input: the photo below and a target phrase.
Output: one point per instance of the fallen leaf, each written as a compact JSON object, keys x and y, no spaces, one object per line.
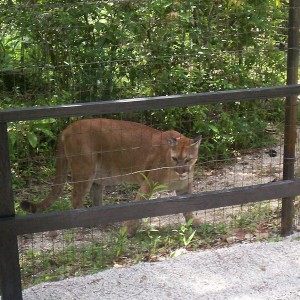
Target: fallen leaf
{"x":240,"y":234}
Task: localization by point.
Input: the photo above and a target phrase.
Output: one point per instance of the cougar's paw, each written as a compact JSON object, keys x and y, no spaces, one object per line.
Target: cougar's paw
{"x":27,"y":206}
{"x":132,"y":227}
{"x":191,"y":219}
{"x":196,"y":222}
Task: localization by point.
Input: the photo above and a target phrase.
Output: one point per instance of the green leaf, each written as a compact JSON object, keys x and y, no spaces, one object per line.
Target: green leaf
{"x":12,"y":137}
{"x":189,"y":222}
{"x":188,"y":240}
{"x":47,"y":132}
{"x":213,"y":128}
{"x":160,"y":187}
{"x":32,"y":139}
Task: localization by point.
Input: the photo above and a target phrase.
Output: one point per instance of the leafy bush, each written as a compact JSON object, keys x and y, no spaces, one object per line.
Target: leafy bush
{"x":64,"y":53}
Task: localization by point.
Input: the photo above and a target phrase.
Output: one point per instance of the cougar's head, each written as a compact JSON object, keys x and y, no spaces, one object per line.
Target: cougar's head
{"x":184,"y":154}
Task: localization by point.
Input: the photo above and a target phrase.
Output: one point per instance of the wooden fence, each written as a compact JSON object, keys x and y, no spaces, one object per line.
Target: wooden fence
{"x":11,"y":225}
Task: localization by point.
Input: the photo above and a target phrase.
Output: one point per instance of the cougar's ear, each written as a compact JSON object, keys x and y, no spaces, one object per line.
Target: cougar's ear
{"x":197,"y":140}
{"x":172,"y":141}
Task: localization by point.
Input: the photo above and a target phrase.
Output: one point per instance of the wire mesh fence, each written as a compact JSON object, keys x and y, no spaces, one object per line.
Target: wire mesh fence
{"x":55,"y":52}
{"x":81,"y":251}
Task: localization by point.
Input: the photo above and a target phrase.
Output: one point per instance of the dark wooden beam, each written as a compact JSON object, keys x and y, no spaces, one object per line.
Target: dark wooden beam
{"x":290,"y":125}
{"x":158,"y":207}
{"x":10,"y":275}
{"x":152,"y":103}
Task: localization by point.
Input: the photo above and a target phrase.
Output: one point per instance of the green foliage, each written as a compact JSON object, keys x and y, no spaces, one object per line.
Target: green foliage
{"x":185,"y":234}
{"x":153,"y":186}
{"x":120,"y":241}
{"x":111,"y":50}
{"x":58,"y":53}
{"x":31,"y":137}
{"x":256,"y":214}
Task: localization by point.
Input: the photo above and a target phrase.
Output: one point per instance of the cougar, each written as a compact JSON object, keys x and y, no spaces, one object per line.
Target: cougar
{"x":104,"y":152}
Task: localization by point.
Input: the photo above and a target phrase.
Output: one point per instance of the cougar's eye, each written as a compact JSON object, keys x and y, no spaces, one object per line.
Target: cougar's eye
{"x":175,"y":158}
{"x":187,"y":160}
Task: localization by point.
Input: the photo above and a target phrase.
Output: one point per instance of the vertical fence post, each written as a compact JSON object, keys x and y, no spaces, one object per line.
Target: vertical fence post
{"x":290,"y":132}
{"x":10,"y":277}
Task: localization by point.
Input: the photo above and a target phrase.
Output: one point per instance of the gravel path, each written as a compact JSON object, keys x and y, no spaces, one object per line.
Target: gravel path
{"x":244,"y":271}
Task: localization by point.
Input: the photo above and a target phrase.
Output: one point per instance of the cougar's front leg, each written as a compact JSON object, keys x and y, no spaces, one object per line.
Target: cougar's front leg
{"x":189,"y":215}
{"x":96,"y":194}
{"x":142,"y":194}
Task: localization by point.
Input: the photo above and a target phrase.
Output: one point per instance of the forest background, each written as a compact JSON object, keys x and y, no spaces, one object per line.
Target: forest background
{"x":62,"y":52}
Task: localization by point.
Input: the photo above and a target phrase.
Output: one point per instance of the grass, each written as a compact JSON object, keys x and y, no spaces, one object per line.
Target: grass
{"x":76,"y":253}
{"x":255,"y":215}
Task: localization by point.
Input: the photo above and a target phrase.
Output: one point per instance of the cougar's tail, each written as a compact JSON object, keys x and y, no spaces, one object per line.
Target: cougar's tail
{"x":58,"y":184}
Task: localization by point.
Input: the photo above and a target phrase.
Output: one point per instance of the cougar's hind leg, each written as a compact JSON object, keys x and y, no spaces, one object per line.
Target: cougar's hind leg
{"x":96,"y":194}
{"x":83,"y":172}
{"x":80,"y":189}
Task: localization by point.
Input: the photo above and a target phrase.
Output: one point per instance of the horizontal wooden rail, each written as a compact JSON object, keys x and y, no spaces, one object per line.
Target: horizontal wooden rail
{"x":151,"y":103}
{"x":151,"y":208}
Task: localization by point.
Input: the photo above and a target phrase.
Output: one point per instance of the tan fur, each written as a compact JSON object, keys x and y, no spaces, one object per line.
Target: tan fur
{"x":103,"y":152}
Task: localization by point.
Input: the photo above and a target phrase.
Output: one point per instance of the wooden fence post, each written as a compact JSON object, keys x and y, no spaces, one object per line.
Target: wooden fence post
{"x":10,"y":276}
{"x":290,"y":133}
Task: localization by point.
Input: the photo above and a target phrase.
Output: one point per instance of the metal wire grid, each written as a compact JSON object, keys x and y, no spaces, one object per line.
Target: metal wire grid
{"x":84,"y":82}
{"x":93,"y":248}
